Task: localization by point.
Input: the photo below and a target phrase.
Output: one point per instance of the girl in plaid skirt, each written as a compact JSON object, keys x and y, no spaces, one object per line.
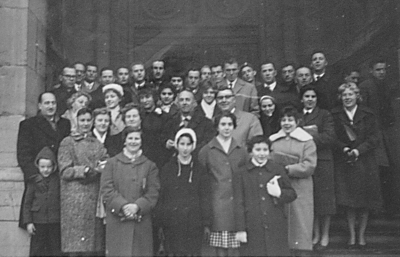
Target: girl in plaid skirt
{"x":222,"y":157}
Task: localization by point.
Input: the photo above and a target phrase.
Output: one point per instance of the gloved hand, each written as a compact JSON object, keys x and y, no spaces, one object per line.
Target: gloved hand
{"x":39,"y":182}
{"x":273,"y":187}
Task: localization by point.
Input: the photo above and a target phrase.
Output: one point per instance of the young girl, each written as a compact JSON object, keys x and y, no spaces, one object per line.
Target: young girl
{"x":184,"y":204}
{"x":222,"y":157}
{"x":265,"y":220}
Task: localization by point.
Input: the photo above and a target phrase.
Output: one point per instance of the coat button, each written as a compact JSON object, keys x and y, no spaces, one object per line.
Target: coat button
{"x":260,"y":174}
{"x":265,"y":226}
{"x":112,"y":210}
{"x":231,"y":198}
{"x":261,"y":185}
{"x":265,"y":213}
{"x":263,"y":198}
{"x":230,"y":180}
{"x":83,"y":239}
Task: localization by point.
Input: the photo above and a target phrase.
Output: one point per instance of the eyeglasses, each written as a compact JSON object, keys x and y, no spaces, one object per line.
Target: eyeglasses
{"x":227,"y":97}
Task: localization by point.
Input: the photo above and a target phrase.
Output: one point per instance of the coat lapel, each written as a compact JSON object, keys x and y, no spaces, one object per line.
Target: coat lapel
{"x":46,"y":128}
{"x":312,"y":116}
{"x":238,"y":86}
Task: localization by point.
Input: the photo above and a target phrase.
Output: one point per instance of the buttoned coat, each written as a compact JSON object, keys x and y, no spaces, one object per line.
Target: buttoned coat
{"x":248,"y":126}
{"x":300,"y":212}
{"x":33,"y":135}
{"x":123,"y":182}
{"x":184,"y":206}
{"x":357,"y":185}
{"x":323,"y":177}
{"x":266,"y":221}
{"x":81,"y":231}
{"x":222,"y":168}
{"x":246,"y":96}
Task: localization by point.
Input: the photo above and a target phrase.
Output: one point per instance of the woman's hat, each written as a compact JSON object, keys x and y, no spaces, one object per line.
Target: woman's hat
{"x":114,"y":87}
{"x":185,"y":131}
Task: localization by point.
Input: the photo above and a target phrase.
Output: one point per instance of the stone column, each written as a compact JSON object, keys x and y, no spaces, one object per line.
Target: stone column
{"x":22,"y":69}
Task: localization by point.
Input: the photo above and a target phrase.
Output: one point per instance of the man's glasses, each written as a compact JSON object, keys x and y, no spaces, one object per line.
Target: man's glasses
{"x":227,"y":97}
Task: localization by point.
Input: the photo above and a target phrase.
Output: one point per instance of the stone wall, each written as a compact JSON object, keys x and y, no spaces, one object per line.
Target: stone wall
{"x":22,"y":70}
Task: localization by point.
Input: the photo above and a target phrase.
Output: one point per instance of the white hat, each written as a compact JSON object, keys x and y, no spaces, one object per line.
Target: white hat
{"x":185,"y":131}
{"x":114,"y":87}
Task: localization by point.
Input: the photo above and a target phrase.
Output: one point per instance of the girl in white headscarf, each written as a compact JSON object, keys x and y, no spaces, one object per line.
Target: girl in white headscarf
{"x":183,"y":205}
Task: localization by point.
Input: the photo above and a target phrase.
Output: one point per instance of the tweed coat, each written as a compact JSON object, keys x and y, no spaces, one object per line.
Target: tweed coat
{"x":323,"y":177}
{"x":124,"y":181}
{"x":266,"y":221}
{"x":248,"y":126}
{"x":246,"y":96}
{"x":300,"y":212}
{"x":80,"y":230}
{"x":223,"y":168}
{"x":357,"y":185}
{"x":184,"y":206}
{"x":35,"y":133}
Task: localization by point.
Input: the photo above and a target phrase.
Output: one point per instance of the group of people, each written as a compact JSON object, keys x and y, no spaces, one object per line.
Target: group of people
{"x":126,"y":165}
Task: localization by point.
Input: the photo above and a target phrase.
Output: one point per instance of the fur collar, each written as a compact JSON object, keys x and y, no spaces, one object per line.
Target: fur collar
{"x":298,"y":134}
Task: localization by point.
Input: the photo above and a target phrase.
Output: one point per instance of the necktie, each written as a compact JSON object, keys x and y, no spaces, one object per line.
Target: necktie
{"x":230,"y":84}
{"x":318,"y":77}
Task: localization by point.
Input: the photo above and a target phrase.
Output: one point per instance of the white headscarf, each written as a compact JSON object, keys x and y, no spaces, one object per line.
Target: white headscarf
{"x":185,"y":131}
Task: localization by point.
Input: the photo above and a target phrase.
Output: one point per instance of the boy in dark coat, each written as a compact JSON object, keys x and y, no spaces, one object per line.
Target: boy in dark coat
{"x":42,"y":208}
{"x":266,"y":189}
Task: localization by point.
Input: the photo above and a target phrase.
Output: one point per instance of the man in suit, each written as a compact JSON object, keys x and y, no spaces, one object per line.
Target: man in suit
{"x":157,"y":73}
{"x":193,"y":82}
{"x":44,"y":129}
{"x":248,"y":124}
{"x":188,"y":118}
{"x":324,"y":80}
{"x":122,"y":78}
{"x":283,"y":94}
{"x":90,"y":84}
{"x":303,"y":77}
{"x":66,"y":89}
{"x":205,"y":73}
{"x":246,"y":93}
{"x":288,"y":74}
{"x":351,"y":74}
{"x":80,"y":75}
{"x":248,"y":74}
{"x":217,"y":73}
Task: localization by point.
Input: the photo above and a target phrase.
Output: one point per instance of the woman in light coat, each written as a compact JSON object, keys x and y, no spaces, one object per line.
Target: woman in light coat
{"x":294,"y":148}
{"x":81,"y":159}
{"x":130,"y":188}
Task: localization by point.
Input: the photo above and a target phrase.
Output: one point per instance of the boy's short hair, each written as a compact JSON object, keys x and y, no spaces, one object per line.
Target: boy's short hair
{"x":257,"y":140}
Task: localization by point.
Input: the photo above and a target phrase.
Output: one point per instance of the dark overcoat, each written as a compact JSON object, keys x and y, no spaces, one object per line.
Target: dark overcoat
{"x":266,"y":221}
{"x":123,"y":182}
{"x":184,"y":207}
{"x":270,"y":125}
{"x":357,"y":185}
{"x":33,"y":135}
{"x":222,"y":168}
{"x":81,"y":231}
{"x":323,"y":177}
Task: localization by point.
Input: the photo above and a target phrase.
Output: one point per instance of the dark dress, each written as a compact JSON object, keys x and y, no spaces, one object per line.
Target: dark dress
{"x":266,"y":222}
{"x":357,"y":185}
{"x":184,"y":207}
{"x":270,"y":125}
{"x":323,"y":177}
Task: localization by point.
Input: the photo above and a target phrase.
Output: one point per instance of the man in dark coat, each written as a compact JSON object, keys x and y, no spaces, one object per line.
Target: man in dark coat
{"x":188,"y":118}
{"x":106,"y":77}
{"x":66,"y":89}
{"x":325,"y":81}
{"x":283,"y":94}
{"x":377,"y":96}
{"x":45,"y":129}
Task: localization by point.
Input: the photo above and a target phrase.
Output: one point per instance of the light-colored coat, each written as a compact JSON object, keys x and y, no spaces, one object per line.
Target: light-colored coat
{"x":123,"y":182}
{"x":248,"y":126}
{"x":246,"y":96}
{"x":80,"y":230}
{"x":300,"y":212}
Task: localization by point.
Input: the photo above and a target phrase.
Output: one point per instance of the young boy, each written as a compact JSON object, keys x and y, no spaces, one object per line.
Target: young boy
{"x":42,"y":208}
{"x":266,"y":188}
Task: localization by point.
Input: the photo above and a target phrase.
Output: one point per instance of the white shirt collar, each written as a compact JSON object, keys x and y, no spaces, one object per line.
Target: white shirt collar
{"x":101,"y":138}
{"x":233,"y":82}
{"x":309,"y":111}
{"x":320,"y":76}
{"x":89,"y":85}
{"x":270,"y":86}
{"x":257,"y":164}
{"x":208,"y":108}
{"x":351,"y":113}
{"x":78,"y":87}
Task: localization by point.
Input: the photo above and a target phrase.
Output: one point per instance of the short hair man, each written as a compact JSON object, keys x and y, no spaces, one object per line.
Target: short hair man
{"x":190,"y":119}
{"x":66,"y":89}
{"x":122,"y":75}
{"x":303,"y":77}
{"x":90,"y":82}
{"x":288,"y":74}
{"x":205,"y":72}
{"x":192,"y":83}
{"x":106,"y":77}
{"x":177,"y":80}
{"x":246,"y":93}
{"x":44,"y":129}
{"x":248,"y":124}
{"x":283,"y":94}
{"x":351,"y":74}
{"x":325,"y":82}
{"x":158,"y":73}
{"x":80,"y":74}
{"x":248,"y":73}
{"x":217,"y":73}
